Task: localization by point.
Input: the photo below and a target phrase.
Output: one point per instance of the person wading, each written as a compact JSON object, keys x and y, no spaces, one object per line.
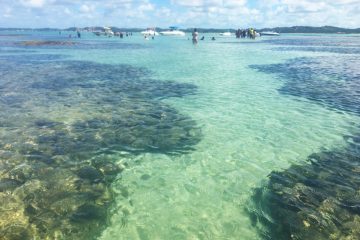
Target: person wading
{"x":195,"y":35}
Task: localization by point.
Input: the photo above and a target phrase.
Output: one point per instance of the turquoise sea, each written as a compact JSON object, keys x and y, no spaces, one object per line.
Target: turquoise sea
{"x":109,"y":138}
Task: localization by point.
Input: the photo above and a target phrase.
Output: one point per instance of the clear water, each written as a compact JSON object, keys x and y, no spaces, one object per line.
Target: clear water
{"x":243,"y":101}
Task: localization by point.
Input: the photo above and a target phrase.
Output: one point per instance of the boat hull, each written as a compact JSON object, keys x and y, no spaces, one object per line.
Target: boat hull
{"x":269,"y":34}
{"x":172,"y":33}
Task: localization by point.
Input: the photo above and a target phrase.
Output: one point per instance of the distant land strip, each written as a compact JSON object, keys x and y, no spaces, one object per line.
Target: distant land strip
{"x":294,"y":29}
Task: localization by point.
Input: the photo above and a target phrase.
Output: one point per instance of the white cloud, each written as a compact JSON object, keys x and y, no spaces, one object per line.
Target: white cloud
{"x":85,"y":8}
{"x":33,"y":3}
{"x":209,"y":3}
{"x":188,"y":3}
{"x":234,"y":3}
{"x":308,"y":12}
{"x":163,"y":12}
{"x":7,"y":13}
{"x":199,"y":13}
{"x":146,"y":7}
{"x":304,"y":6}
{"x":67,"y":11}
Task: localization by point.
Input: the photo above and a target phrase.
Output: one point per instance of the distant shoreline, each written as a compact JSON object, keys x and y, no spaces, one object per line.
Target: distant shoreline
{"x":295,"y":29}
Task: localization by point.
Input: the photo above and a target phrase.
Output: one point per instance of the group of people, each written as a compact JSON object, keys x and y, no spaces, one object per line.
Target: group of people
{"x":121,"y":34}
{"x":250,"y":33}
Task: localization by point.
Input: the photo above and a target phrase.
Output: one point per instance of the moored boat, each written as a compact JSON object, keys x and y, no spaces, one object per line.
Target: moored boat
{"x":226,"y":34}
{"x":269,"y":33}
{"x":173,"y":32}
{"x":150,"y":32}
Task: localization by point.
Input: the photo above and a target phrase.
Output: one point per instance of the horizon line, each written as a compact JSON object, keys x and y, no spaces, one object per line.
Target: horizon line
{"x":57,"y":28}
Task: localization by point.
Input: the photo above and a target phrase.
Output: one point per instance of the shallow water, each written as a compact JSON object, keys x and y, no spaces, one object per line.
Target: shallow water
{"x":191,"y":131}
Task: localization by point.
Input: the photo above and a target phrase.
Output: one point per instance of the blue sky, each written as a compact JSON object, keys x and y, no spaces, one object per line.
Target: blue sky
{"x":184,"y":13}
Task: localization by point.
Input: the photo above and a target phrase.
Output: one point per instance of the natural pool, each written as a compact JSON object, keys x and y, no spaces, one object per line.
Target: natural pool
{"x":133,"y":139}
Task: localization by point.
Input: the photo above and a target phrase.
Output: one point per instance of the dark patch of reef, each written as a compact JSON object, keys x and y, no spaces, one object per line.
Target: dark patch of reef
{"x":341,"y":50}
{"x":317,"y":41}
{"x":319,"y":200}
{"x":61,"y":124}
{"x":31,"y":43}
{"x":318,"y":80}
{"x":312,"y":43}
{"x":47,"y":43}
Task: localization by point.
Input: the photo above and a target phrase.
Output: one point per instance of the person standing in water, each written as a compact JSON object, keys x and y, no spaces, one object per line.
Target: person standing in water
{"x":195,"y":35}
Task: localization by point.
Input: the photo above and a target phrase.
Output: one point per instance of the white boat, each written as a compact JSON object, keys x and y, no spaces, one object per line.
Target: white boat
{"x":150,"y":32}
{"x":226,"y":34}
{"x":173,"y":32}
{"x":270,"y":33}
{"x":108,"y":32}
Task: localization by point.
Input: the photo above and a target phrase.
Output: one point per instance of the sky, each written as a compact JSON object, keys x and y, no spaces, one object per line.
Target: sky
{"x":182,"y":13}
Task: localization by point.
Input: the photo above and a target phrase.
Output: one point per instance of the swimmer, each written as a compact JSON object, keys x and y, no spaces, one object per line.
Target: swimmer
{"x":195,"y":35}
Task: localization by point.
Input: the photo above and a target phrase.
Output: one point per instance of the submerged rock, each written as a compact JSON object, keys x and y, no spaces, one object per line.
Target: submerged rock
{"x":47,"y":43}
{"x":15,"y":232}
{"x":319,"y":200}
{"x":54,"y":168}
{"x":88,"y":212}
{"x":90,"y":173}
{"x":318,"y":80}
{"x":7,"y":184}
{"x":14,"y":224}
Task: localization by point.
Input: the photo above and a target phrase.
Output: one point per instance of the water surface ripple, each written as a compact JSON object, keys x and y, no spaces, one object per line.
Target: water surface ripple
{"x":319,"y":199}
{"x":109,"y":138}
{"x":60,"y":121}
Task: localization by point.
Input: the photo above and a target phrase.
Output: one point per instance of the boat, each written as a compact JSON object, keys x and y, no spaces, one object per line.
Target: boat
{"x":226,"y":34}
{"x":270,"y":33}
{"x":108,"y":32}
{"x":150,"y":32}
{"x":173,"y":32}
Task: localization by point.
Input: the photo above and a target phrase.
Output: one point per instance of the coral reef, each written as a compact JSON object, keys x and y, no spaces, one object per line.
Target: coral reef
{"x":316,"y":201}
{"x":317,"y":80}
{"x":61,"y":123}
{"x":46,"y":43}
